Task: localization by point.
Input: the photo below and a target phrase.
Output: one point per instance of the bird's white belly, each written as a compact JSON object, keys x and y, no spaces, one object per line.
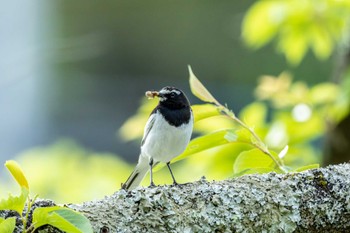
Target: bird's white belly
{"x":164,"y":142}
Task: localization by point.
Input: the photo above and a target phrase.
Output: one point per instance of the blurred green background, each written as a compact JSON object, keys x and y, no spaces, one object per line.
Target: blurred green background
{"x":71,"y":73}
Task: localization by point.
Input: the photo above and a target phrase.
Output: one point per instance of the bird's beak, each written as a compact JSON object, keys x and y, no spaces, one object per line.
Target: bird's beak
{"x":152,"y":94}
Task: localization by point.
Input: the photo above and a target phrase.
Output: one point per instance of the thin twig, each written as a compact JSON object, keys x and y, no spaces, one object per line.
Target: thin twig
{"x":263,"y":149}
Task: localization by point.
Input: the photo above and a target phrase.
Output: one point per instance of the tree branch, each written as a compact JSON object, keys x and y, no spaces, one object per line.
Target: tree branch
{"x":313,"y":201}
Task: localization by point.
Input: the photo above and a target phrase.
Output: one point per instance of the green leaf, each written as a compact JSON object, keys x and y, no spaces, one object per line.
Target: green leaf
{"x":259,"y":170}
{"x":214,"y":123}
{"x":254,"y":114}
{"x":17,"y":173}
{"x":324,"y":93}
{"x":292,"y":25}
{"x":252,"y":159}
{"x":294,"y":45}
{"x":208,"y":141}
{"x":62,"y":218}
{"x":320,"y":41}
{"x":7,"y":225}
{"x":243,"y":135}
{"x":203,"y":111}
{"x":15,"y":203}
{"x":261,"y":22}
{"x":199,"y":90}
{"x":307,"y":167}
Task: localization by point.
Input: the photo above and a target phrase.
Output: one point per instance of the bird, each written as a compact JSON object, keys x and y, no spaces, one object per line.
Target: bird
{"x":166,"y":134}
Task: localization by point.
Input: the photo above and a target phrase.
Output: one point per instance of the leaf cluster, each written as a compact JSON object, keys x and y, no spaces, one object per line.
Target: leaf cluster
{"x":62,"y":218}
{"x":297,"y":26}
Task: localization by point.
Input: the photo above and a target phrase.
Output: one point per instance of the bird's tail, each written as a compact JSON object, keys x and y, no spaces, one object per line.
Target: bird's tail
{"x":137,"y":175}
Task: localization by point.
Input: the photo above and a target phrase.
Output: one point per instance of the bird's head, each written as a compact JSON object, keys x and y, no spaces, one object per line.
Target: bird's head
{"x":170,"y":97}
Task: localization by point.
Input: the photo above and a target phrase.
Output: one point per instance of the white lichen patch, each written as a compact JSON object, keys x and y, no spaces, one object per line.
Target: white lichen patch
{"x":311,"y":201}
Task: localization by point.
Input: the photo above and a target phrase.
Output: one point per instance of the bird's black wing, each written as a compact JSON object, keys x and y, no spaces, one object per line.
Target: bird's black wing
{"x":148,"y":127}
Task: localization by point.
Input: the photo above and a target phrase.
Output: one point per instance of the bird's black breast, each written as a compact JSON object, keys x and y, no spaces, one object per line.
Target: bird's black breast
{"x":175,"y":117}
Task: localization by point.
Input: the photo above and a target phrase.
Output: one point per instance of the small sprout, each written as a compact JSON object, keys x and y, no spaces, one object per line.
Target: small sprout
{"x":151,"y":94}
{"x":17,"y":173}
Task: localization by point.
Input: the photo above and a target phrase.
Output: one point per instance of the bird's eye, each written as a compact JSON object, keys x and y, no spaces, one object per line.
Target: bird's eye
{"x":172,"y":94}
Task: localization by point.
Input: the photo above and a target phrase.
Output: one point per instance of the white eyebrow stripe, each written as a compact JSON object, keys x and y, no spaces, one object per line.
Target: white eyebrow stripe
{"x":166,"y":91}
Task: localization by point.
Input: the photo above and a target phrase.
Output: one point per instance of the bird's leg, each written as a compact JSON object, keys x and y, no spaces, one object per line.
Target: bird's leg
{"x":151,"y":172}
{"x":172,"y":175}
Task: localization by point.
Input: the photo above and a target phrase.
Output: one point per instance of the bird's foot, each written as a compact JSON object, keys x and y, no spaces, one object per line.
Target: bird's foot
{"x":175,"y":184}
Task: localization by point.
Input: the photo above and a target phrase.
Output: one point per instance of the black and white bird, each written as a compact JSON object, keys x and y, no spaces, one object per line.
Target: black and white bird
{"x":166,"y":134}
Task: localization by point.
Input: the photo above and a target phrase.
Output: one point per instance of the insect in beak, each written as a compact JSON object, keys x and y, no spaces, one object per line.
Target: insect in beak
{"x":151,"y":94}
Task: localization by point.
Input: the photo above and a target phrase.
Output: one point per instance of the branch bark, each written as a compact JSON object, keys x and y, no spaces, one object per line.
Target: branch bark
{"x":313,"y":201}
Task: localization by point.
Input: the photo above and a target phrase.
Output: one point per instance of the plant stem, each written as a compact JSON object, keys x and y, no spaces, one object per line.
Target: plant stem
{"x":25,"y":219}
{"x":260,"y":145}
